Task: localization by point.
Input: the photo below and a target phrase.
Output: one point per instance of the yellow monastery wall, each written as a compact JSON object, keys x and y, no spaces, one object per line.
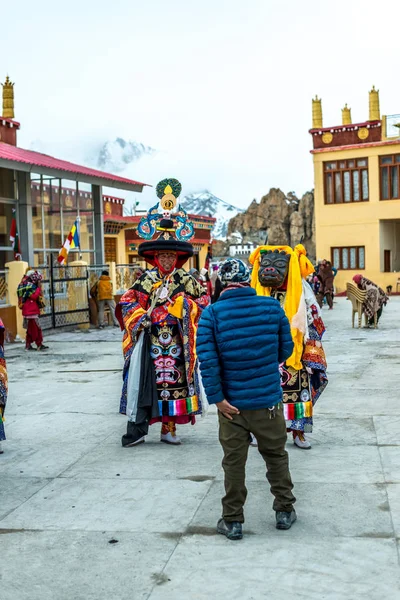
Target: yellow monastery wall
{"x":355,"y":223}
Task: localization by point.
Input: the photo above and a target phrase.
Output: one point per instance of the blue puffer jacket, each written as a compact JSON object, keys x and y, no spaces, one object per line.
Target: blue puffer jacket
{"x":241,"y":341}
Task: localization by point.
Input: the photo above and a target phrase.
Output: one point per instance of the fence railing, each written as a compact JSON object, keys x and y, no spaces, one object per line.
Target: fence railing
{"x":125,"y":276}
{"x":3,"y":286}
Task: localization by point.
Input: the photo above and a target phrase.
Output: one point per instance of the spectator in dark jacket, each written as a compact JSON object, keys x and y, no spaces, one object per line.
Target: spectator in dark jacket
{"x":326,"y":277}
{"x":241,"y":341}
{"x":217,"y":290}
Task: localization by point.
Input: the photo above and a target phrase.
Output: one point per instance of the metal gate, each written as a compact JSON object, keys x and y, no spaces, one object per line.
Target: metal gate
{"x":66,"y":295}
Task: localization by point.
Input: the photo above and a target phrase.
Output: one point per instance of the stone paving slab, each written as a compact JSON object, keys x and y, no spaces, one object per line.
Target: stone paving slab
{"x":77,"y":565}
{"x":79,"y":396}
{"x":390,"y":457}
{"x":387,"y":430}
{"x":350,"y":431}
{"x":150,"y":461}
{"x":46,"y":427}
{"x":393,"y":492}
{"x":347,"y":569}
{"x":14,"y":491}
{"x":96,"y":505}
{"x":326,"y":510}
{"x":349,"y":400}
{"x":30,"y":460}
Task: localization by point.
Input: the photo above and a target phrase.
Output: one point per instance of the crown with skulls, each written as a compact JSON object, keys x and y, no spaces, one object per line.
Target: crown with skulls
{"x":161,"y":218}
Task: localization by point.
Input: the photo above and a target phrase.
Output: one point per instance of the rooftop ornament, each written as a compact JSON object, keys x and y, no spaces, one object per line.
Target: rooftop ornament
{"x":8,"y":99}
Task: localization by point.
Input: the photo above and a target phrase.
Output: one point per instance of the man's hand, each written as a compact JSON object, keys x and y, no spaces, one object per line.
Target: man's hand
{"x":227,"y":409}
{"x":147,"y":322}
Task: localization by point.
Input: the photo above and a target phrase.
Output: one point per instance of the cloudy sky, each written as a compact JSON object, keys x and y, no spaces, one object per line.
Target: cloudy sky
{"x":221,"y":88}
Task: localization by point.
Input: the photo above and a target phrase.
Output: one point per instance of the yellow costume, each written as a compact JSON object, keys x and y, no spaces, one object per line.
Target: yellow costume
{"x":299,"y":267}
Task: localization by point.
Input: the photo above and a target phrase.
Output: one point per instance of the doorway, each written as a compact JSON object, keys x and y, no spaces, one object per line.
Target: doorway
{"x":387,"y":261}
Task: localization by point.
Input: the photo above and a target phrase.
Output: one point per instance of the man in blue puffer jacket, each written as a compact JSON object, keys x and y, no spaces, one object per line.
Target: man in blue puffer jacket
{"x":241,"y":341}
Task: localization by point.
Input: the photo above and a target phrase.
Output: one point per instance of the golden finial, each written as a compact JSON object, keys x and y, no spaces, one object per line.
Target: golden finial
{"x":316,"y":113}
{"x":8,"y":99}
{"x":374,"y":110}
{"x":346,"y":115}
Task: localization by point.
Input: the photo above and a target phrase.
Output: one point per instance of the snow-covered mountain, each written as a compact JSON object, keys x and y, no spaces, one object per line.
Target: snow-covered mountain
{"x":115,"y":156}
{"x":206,"y":204}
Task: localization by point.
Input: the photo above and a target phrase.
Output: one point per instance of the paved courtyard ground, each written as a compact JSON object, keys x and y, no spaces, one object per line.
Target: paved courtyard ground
{"x":82,"y":518}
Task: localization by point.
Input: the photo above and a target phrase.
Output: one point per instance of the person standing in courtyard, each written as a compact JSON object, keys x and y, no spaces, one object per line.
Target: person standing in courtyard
{"x":3,"y":387}
{"x":326,"y":278}
{"x":374,"y":301}
{"x":31,"y":302}
{"x":159,"y":316}
{"x":102,"y":291}
{"x":242,"y":339}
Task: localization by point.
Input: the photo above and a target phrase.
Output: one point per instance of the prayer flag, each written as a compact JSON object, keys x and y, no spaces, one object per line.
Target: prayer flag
{"x":71,"y":242}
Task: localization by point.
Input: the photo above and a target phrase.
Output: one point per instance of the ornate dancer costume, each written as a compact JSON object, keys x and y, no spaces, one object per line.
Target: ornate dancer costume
{"x":166,"y":306}
{"x":281,"y":271}
{"x":3,"y":384}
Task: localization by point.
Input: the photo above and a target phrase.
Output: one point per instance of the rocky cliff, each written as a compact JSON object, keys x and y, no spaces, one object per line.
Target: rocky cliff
{"x":284,"y":218}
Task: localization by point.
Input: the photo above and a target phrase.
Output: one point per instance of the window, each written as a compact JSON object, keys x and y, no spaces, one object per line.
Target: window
{"x":389,"y":167}
{"x":348,"y":258}
{"x":346,"y":181}
{"x":110,"y":249}
{"x":54,"y":211}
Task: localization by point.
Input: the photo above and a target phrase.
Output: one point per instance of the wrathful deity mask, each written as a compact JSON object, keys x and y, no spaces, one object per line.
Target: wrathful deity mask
{"x":166,"y":353}
{"x":274,"y":267}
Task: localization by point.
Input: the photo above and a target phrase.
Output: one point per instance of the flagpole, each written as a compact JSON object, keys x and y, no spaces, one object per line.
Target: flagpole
{"x":78,"y":227}
{"x":78,"y":219}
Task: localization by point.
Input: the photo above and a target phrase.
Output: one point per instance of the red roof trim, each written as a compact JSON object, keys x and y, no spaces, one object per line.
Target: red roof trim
{"x":107,"y":197}
{"x":356,"y":146}
{"x":349,"y":127}
{"x":136,"y":219}
{"x":37,"y":159}
{"x":120,"y":219}
{"x":198,"y":241}
{"x":15,"y":124}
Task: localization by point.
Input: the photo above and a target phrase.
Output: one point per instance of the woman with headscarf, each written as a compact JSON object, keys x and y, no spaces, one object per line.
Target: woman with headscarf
{"x":31,"y":302}
{"x":375,"y":299}
{"x":3,"y":386}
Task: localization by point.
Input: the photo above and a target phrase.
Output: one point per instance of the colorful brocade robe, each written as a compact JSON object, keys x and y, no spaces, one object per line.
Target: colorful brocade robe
{"x":302,"y":388}
{"x":174,"y":321}
{"x":3,"y":383}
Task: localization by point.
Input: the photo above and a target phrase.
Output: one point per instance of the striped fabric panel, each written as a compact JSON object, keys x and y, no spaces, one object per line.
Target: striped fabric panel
{"x":298,"y":410}
{"x":177,"y":408}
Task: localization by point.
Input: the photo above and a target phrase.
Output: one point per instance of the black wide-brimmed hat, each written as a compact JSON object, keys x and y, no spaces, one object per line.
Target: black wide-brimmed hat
{"x":166,"y":242}
{"x":175,"y":230}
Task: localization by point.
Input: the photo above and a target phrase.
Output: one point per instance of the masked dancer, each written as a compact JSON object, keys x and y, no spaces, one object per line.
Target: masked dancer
{"x":281,"y":272}
{"x":159,"y":317}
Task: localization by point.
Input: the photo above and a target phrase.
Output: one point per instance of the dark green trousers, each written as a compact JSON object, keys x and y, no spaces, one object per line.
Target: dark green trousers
{"x":271,"y":437}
